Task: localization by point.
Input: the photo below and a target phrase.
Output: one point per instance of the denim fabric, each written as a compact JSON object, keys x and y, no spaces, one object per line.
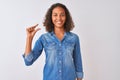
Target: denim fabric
{"x":63,"y":58}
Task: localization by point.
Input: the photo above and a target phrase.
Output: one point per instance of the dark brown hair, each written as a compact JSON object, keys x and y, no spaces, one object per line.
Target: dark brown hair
{"x":69,"y":24}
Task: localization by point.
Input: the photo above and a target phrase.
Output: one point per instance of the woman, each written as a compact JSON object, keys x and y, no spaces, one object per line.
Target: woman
{"x":62,"y":48}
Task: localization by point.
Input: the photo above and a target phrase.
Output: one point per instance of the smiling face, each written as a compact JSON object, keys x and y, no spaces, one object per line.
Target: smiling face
{"x":58,"y":17}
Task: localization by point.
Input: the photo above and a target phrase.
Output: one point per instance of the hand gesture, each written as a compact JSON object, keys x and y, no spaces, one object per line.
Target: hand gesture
{"x":32,"y":30}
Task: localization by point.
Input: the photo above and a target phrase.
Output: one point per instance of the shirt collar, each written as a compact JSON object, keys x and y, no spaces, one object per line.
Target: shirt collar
{"x":52,"y":33}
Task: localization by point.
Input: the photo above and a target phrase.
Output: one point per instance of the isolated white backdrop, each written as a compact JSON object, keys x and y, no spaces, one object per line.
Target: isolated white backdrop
{"x":97,"y":24}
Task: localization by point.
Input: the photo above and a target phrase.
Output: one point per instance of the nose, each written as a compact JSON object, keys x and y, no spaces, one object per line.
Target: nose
{"x":59,"y":17}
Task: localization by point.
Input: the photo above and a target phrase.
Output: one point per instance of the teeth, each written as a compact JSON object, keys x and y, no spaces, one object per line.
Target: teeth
{"x":58,"y":22}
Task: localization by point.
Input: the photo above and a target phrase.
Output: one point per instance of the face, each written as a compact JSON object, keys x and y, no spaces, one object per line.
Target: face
{"x":58,"y":17}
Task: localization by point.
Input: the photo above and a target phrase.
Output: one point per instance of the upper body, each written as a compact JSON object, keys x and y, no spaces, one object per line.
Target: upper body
{"x":62,"y":47}
{"x":63,"y":58}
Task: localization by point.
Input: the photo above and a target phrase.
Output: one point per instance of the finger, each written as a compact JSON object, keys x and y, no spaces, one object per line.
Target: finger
{"x":32,"y":28}
{"x":36,"y":30}
{"x":35,"y":26}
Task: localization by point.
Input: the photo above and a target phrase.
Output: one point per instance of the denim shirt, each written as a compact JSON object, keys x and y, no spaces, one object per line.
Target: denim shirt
{"x":63,"y":58}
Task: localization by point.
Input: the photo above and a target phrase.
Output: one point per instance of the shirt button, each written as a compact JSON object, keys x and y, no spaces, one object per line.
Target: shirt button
{"x":60,"y":53}
{"x":59,"y":71}
{"x":59,"y":44}
{"x":60,"y":61}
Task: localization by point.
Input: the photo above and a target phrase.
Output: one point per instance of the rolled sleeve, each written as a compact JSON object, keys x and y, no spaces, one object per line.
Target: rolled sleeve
{"x":35,"y":53}
{"x":79,"y":74}
{"x":28,"y":58}
{"x":78,"y":59}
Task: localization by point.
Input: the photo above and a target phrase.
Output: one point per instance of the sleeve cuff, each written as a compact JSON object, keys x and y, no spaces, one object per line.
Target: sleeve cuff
{"x":79,"y":74}
{"x":28,"y":57}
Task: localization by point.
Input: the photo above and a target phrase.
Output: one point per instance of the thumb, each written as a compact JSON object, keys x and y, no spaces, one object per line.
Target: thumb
{"x":36,"y":30}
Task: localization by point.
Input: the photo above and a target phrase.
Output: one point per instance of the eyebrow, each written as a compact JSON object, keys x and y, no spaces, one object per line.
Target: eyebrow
{"x":60,"y":13}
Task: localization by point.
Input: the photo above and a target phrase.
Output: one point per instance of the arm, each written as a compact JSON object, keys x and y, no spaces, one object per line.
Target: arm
{"x":30,"y":34}
{"x":78,"y":60}
{"x":31,"y":55}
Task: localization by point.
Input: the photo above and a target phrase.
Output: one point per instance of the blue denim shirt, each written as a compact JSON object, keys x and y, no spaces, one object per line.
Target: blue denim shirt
{"x":63,"y":58}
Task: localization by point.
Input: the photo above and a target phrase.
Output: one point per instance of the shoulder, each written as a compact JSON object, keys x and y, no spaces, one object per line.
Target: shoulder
{"x":42,"y":38}
{"x":75,"y":38}
{"x":73,"y":35}
{"x":45,"y":35}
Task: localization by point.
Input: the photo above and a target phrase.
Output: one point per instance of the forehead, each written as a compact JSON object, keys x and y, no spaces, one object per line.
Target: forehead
{"x":58,"y":10}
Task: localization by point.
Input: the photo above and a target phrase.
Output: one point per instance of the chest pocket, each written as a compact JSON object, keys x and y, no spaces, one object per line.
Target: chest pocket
{"x":50,"y":46}
{"x":69,"y":46}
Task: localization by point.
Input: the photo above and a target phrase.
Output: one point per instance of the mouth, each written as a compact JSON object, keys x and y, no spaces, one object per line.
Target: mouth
{"x":59,"y":22}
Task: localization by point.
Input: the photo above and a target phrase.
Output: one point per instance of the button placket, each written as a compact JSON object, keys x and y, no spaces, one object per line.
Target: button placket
{"x":60,"y":65}
{"x":60,"y":59}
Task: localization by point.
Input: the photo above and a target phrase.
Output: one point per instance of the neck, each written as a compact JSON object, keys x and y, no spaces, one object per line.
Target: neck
{"x":59,"y":30}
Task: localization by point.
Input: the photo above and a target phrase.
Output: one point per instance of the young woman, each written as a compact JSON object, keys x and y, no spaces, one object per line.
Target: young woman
{"x":62,"y":48}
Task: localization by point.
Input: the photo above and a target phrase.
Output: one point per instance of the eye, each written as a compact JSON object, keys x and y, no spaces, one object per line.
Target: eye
{"x":62,"y":14}
{"x":54,"y":14}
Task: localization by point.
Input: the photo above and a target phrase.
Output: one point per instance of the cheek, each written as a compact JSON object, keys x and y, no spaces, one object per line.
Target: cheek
{"x":64,"y":19}
{"x":53,"y":19}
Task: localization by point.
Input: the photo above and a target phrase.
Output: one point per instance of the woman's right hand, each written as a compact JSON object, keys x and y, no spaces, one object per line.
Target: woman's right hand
{"x":32,"y":30}
{"x":30,"y":34}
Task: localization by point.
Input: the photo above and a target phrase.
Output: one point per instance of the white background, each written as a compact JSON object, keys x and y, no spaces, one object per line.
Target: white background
{"x":97,"y":22}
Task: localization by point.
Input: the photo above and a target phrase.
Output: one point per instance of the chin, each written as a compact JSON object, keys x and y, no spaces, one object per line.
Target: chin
{"x":60,"y":26}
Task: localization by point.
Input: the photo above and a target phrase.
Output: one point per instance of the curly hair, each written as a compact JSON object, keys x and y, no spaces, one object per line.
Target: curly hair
{"x":69,"y":24}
